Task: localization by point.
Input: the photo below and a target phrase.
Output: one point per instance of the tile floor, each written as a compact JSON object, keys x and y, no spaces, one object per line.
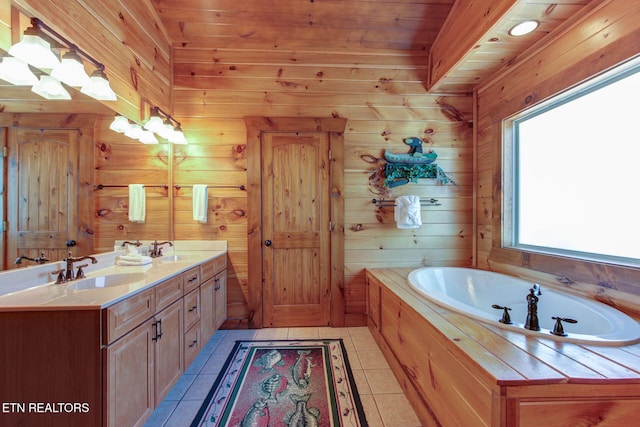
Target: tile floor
{"x":384,"y":403}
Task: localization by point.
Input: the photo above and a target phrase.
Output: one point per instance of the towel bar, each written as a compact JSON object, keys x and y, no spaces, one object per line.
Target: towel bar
{"x":423,"y":202}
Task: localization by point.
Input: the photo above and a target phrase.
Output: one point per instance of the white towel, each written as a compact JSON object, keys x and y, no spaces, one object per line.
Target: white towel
{"x":137,"y":203}
{"x":407,"y":212}
{"x":200,"y":203}
{"x":134,"y":260}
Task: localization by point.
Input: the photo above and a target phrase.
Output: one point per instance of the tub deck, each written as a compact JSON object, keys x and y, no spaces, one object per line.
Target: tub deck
{"x":524,"y":376}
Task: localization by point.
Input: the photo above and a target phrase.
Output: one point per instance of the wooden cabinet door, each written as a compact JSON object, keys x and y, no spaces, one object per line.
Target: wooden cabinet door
{"x":169,"y":355}
{"x":207,"y":309}
{"x":130,"y":378}
{"x":296,"y":234}
{"x":220,"y":299}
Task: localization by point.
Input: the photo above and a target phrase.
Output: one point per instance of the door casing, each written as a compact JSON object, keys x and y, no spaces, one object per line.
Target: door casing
{"x":334,"y":127}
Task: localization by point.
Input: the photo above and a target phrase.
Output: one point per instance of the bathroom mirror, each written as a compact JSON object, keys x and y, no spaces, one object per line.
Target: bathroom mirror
{"x":41,"y":129}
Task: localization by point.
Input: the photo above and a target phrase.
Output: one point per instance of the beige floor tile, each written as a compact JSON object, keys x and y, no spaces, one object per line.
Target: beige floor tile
{"x":271,"y":334}
{"x":364,"y":342}
{"x":214,"y":364}
{"x":184,"y":413}
{"x":382,"y":381}
{"x":303,"y":333}
{"x":371,"y":411}
{"x":359,"y":331}
{"x":326,"y":332}
{"x":372,"y":359}
{"x":200,"y":387}
{"x":396,"y":411}
{"x":361,"y":382}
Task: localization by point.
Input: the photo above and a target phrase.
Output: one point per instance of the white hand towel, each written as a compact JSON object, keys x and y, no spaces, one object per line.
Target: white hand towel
{"x":407,"y":212}
{"x":200,"y":203}
{"x":137,"y":203}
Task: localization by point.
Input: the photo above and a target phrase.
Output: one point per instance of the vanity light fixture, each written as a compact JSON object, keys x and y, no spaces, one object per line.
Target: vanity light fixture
{"x":71,"y":71}
{"x":98,"y":86}
{"x":147,"y":137}
{"x":35,"y":48}
{"x":167,"y":129}
{"x":50,"y":88}
{"x":134,"y":131}
{"x":39,"y":47}
{"x":165,"y":126}
{"x":177,"y":137}
{"x":155,"y":122}
{"x":160,"y":123}
{"x":16,"y":72}
{"x":119,"y":124}
{"x":523,"y":28}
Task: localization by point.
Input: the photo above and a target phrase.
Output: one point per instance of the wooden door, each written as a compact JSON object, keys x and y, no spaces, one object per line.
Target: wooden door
{"x":296,"y":235}
{"x":42,"y":192}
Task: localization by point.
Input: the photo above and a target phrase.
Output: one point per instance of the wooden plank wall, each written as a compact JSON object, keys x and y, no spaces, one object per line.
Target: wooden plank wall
{"x":384,"y":99}
{"x":125,"y":36}
{"x":382,"y":95}
{"x":606,"y":34}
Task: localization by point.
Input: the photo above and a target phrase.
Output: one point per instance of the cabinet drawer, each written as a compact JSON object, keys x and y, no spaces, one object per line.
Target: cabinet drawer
{"x":191,"y":308}
{"x":191,"y":279}
{"x":192,"y":344}
{"x":122,"y":317}
{"x":168,"y":291}
{"x":211,"y":268}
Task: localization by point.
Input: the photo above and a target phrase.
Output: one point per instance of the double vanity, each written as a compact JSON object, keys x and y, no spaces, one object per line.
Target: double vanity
{"x":107,"y":348}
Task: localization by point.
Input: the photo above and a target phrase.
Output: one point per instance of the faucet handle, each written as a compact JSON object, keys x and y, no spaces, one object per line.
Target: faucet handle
{"x":80,"y":273}
{"x":506,"y":318}
{"x":558,"y":329}
{"x":60,"y":278}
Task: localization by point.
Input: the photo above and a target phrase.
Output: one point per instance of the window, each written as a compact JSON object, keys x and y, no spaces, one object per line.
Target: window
{"x":572,"y":172}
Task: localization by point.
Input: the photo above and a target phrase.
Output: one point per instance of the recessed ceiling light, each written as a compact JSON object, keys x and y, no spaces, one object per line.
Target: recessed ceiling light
{"x":524,"y":27}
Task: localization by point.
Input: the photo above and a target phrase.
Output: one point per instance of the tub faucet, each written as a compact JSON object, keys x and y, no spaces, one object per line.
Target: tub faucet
{"x":532,"y":322}
{"x":157,"y":251}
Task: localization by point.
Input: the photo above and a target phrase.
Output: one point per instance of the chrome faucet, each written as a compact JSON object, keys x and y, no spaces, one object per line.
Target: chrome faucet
{"x":532,"y":322}
{"x":157,"y":249}
{"x":69,"y":275}
{"x":39,"y":260}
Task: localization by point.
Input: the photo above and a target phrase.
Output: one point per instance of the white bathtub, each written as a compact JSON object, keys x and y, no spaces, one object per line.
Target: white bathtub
{"x":473,"y":292}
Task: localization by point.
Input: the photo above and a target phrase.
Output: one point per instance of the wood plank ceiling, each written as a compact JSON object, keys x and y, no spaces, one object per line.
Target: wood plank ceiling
{"x":363,"y":27}
{"x":369,"y":26}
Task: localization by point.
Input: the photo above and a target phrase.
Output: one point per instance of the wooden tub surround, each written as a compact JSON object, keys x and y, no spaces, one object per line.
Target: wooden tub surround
{"x":459,"y":372}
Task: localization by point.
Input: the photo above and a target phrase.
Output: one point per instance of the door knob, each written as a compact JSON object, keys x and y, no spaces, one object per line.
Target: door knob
{"x":267,"y":242}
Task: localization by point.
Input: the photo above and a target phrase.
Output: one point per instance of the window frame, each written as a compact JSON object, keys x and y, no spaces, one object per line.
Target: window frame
{"x":564,"y":270}
{"x":511,"y":159}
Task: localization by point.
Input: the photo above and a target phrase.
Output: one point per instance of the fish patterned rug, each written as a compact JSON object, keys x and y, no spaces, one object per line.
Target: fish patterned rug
{"x":303,"y":383}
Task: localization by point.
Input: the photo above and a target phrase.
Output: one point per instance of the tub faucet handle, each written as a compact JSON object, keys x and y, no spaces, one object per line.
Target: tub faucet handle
{"x":558,"y":329}
{"x":506,"y":318}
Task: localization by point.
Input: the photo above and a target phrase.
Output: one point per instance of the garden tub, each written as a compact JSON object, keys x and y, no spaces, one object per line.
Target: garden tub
{"x":474,"y":293}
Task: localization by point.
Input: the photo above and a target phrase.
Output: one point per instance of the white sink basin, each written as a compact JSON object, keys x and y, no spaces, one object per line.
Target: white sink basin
{"x":107,"y":281}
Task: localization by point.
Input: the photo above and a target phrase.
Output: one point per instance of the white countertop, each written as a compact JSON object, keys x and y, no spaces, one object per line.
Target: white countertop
{"x":50,"y":296}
